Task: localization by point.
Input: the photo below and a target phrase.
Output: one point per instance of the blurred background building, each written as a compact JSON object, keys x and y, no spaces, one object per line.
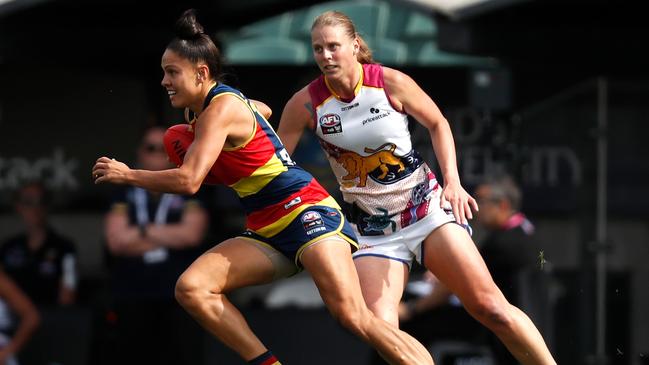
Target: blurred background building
{"x":554,"y":93}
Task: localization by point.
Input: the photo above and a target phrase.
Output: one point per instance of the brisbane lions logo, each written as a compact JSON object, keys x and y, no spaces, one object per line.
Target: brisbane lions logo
{"x":358,"y":166}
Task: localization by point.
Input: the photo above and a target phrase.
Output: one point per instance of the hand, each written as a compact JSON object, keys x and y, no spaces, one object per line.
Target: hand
{"x":110,"y":170}
{"x":460,"y":202}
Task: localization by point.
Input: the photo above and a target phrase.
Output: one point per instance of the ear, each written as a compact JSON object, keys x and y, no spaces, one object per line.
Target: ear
{"x":357,"y":45}
{"x":202,"y":72}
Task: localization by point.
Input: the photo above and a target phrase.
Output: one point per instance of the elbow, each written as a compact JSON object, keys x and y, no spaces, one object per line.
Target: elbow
{"x":189,"y":184}
{"x":192,"y":187}
{"x":189,"y":188}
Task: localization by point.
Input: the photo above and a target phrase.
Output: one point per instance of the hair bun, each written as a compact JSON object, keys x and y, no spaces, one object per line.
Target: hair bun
{"x":187,"y":27}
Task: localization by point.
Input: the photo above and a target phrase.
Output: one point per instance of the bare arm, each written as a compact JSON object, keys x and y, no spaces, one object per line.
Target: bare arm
{"x":223,"y":119}
{"x":263,"y":109}
{"x":21,"y":305}
{"x":406,"y":94}
{"x":296,"y":116}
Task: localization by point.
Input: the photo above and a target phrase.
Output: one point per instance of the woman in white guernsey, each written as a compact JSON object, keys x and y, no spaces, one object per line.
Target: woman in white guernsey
{"x":358,"y":110}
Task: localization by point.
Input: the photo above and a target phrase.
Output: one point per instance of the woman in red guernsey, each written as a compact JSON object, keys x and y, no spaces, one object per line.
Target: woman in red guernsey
{"x":292,"y":222}
{"x":359,"y":111}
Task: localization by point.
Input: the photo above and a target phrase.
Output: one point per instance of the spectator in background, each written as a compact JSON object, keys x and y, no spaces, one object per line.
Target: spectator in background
{"x":510,"y":251}
{"x":39,"y":260}
{"x":14,"y":335}
{"x":152,"y":238}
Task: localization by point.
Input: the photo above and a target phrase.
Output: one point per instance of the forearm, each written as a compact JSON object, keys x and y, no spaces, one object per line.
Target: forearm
{"x":170,"y":181}
{"x":444,"y":147}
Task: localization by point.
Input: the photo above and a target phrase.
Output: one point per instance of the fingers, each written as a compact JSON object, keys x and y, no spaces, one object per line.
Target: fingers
{"x":462,"y":205}
{"x":100,"y":169}
{"x":458,"y":211}
{"x":474,"y":204}
{"x":467,"y":210}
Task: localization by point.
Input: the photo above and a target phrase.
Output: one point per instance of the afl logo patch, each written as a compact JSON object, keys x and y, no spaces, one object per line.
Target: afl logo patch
{"x":310,"y":217}
{"x":312,"y":223}
{"x":330,"y":123}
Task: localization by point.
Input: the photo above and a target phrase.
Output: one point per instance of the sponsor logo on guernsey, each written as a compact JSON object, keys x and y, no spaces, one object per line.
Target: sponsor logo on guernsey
{"x":330,"y":123}
{"x":293,"y":202}
{"x":345,"y":108}
{"x":376,"y":115}
{"x":312,"y":223}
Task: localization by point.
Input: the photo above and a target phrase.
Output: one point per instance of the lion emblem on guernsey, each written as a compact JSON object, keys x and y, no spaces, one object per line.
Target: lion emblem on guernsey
{"x":358,"y":166}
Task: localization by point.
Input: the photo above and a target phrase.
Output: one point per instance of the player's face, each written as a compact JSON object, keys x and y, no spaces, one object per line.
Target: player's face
{"x":333,"y":50}
{"x":180,"y":80}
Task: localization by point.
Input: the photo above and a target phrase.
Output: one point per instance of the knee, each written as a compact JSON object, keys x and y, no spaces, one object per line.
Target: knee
{"x":494,"y":311}
{"x":189,"y":290}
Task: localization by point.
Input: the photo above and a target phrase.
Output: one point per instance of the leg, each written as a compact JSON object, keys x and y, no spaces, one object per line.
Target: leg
{"x":453,"y":257}
{"x":201,"y":291}
{"x":382,"y":282}
{"x":330,"y":264}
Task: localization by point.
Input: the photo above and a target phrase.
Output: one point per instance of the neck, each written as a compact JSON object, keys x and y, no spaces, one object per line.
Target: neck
{"x":197,"y":107}
{"x":345,"y":86}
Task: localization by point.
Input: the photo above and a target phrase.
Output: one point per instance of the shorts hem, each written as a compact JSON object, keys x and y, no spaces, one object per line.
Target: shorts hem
{"x":404,"y":261}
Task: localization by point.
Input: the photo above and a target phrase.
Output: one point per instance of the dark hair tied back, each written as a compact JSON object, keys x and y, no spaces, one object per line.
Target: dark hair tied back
{"x":187,"y":27}
{"x":191,"y":42}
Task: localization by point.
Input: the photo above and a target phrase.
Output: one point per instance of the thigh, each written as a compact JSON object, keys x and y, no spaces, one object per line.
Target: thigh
{"x":231,"y":264}
{"x":453,"y":257}
{"x":330,"y":264}
{"x":382,"y":282}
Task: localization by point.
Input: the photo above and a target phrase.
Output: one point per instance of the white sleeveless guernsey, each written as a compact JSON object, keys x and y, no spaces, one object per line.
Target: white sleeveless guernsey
{"x":385,"y":183}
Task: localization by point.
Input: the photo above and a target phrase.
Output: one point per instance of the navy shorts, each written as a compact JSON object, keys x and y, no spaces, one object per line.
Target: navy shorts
{"x":312,"y":224}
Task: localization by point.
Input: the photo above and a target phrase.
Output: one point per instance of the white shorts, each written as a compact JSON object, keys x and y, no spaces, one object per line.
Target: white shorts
{"x":405,"y":244}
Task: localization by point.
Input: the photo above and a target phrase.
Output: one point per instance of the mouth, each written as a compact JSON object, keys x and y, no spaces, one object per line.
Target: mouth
{"x":171,"y":93}
{"x":329,"y":67}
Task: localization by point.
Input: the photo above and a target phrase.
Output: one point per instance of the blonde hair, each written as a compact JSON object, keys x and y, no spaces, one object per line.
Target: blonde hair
{"x":337,"y":18}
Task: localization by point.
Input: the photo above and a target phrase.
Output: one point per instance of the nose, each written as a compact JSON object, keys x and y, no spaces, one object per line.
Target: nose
{"x":164,"y":81}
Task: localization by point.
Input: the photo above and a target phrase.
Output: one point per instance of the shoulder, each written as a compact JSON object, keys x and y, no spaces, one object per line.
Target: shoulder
{"x":300,"y":103}
{"x":395,"y":79}
{"x":224,"y":107}
{"x":302,"y":96}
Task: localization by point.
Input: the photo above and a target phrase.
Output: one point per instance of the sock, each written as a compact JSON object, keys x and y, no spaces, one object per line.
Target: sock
{"x":267,"y":358}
